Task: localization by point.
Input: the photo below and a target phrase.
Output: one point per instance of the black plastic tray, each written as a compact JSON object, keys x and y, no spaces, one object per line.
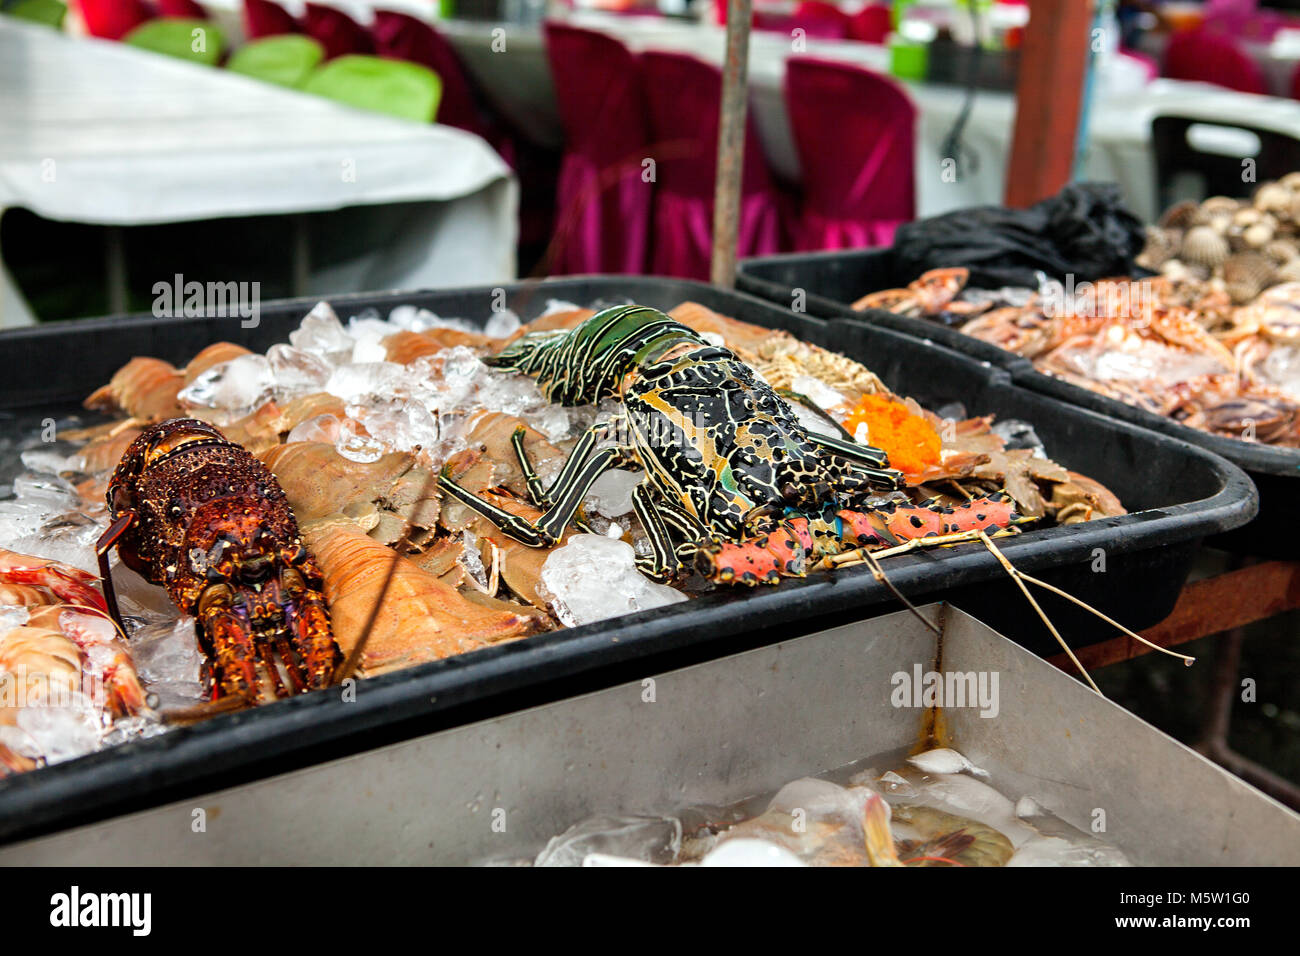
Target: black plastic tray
{"x":1179,"y":494}
{"x":831,"y":281}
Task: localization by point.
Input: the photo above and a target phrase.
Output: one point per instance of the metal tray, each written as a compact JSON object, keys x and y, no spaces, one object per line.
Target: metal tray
{"x":497,"y":790}
{"x":1179,"y":494}
{"x":831,"y":281}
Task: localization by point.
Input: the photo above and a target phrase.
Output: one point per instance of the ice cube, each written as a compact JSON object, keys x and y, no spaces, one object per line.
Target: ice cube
{"x":472,"y":561}
{"x":502,"y":324}
{"x":241,"y":383}
{"x":611,"y":495}
{"x":593,"y":578}
{"x":320,"y":428}
{"x":11,"y":616}
{"x":401,"y":424}
{"x":61,"y":733}
{"x":649,"y":839}
{"x":354,"y":382}
{"x":357,"y":447}
{"x":297,"y":370}
{"x":322,"y":333}
{"x":168,"y":654}
{"x":1056,"y":851}
{"x":745,"y":851}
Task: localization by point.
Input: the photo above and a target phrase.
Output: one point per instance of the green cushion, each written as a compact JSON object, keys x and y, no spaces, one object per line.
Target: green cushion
{"x":49,"y":12}
{"x":395,"y":87}
{"x":178,"y":37}
{"x":286,"y":60}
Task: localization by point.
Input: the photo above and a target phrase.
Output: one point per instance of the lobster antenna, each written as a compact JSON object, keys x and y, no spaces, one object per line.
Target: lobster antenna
{"x":1016,"y":576}
{"x":879,"y":574}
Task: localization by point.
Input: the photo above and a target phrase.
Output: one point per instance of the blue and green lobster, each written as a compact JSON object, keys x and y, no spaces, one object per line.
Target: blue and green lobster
{"x":735,"y":487}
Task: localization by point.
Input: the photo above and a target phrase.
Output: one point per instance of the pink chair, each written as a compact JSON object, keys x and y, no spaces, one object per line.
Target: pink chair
{"x":182,"y":8}
{"x":683,"y":95}
{"x":114,"y":19}
{"x":820,"y":19}
{"x":263,"y":18}
{"x":856,"y":134}
{"x":871,"y":24}
{"x":337,"y":32}
{"x":603,"y":204}
{"x":1211,"y":58}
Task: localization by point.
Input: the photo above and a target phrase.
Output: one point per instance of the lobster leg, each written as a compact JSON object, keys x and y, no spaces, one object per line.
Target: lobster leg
{"x":664,"y":562}
{"x":230,"y":645}
{"x":536,"y":492}
{"x":871,"y":461}
{"x":566,"y":494}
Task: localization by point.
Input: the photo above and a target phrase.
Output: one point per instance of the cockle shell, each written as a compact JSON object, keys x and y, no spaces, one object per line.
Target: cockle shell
{"x":1245,"y":274}
{"x":1179,"y":215}
{"x":1290,"y":181}
{"x":1258,"y":235}
{"x":1272,"y":197}
{"x":1282,"y":250}
{"x":1220,"y":205}
{"x":1288,"y":271}
{"x":1204,"y":246}
{"x":1160,"y":248}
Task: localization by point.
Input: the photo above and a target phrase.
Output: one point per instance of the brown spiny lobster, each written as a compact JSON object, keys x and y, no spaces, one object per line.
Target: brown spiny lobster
{"x":197,"y":514}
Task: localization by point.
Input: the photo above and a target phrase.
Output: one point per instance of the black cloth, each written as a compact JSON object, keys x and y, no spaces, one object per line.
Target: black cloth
{"x":1084,"y":230}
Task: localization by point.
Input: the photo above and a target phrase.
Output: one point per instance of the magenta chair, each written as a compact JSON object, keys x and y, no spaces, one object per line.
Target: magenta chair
{"x":871,"y":24}
{"x":114,"y":19}
{"x":856,"y":135}
{"x":263,"y":18}
{"x":334,"y":30}
{"x":683,"y":95}
{"x":182,"y":8}
{"x":602,"y":202}
{"x":1211,"y":58}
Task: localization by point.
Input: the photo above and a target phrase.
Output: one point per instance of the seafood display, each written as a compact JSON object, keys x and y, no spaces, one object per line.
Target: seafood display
{"x":932,"y":810}
{"x":1174,"y":346}
{"x":391,"y":491}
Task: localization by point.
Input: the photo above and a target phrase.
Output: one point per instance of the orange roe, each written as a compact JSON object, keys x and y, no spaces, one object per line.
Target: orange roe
{"x":909,"y":440}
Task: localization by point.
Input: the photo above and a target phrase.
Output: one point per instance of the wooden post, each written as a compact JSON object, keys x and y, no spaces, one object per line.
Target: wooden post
{"x":731,"y":145}
{"x":1049,"y":96}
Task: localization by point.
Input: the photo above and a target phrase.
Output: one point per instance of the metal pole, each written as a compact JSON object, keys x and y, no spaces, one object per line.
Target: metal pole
{"x":731,"y":145}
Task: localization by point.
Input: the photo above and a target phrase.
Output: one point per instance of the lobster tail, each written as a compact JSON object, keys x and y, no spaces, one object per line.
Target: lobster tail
{"x":586,"y":364}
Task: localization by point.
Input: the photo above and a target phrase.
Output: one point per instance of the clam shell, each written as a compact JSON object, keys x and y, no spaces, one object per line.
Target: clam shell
{"x":1273,"y":197}
{"x":1245,"y":274}
{"x":1288,"y":271}
{"x":1179,"y":215}
{"x":1282,"y":250}
{"x":1202,"y":245}
{"x":1258,"y":235}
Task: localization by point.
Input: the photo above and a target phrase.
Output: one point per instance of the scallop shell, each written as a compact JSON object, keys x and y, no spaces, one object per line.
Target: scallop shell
{"x":1179,"y":215}
{"x":1203,"y":245}
{"x":1258,"y":235}
{"x":1273,"y":197}
{"x":1246,"y":274}
{"x":1220,"y":206}
{"x":1282,"y":250}
{"x":1161,"y":246}
{"x":1288,"y":271}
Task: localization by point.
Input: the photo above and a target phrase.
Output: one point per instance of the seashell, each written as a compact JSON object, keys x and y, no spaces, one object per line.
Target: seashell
{"x":1247,"y":216}
{"x":1288,"y":271}
{"x":1291,"y":181}
{"x":1202,"y":245}
{"x":1175,"y":270}
{"x":1220,"y":206}
{"x":1161,"y":246}
{"x":1179,"y":215}
{"x":1273,"y":197}
{"x":1282,"y":250}
{"x":1293,"y":211}
{"x":1245,"y":275}
{"x":1258,"y":235}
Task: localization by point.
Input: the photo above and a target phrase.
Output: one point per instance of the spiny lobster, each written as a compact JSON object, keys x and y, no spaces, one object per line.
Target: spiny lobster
{"x":734,"y":484}
{"x":199,"y":515}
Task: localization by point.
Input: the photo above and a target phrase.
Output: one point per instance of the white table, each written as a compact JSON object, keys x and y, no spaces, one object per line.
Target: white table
{"x":101,"y":133}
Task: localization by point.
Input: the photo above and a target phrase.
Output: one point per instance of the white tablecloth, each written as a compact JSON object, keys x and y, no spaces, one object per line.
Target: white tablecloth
{"x":101,"y":133}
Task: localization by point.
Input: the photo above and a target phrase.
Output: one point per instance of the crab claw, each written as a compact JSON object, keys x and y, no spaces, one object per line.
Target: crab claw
{"x":763,"y":559}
